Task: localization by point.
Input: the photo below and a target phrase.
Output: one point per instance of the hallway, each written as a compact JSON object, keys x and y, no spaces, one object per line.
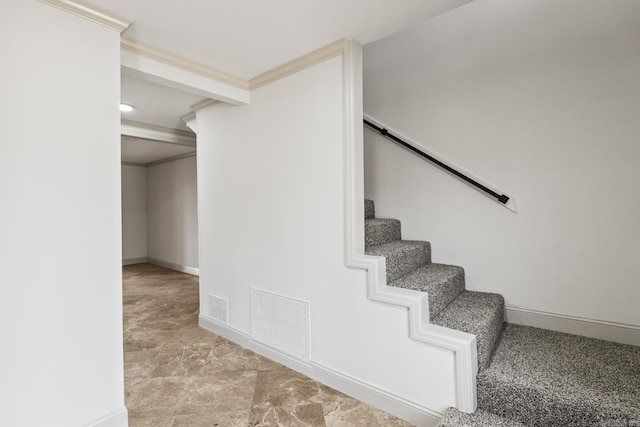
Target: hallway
{"x":178,"y":374}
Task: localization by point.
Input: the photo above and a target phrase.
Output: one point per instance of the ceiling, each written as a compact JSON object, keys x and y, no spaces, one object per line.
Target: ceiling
{"x":155,"y":104}
{"x":243,"y":38}
{"x":141,"y":151}
{"x":158,"y":106}
{"x":248,"y":37}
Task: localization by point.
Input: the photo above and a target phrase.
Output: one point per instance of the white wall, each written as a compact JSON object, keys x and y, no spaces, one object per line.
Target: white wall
{"x":60,"y":240}
{"x":271,"y":209}
{"x":134,"y":213}
{"x":542,"y":99}
{"x":172,"y":231}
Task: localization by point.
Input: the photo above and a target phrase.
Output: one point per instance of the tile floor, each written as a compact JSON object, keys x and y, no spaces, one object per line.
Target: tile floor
{"x":178,"y":374}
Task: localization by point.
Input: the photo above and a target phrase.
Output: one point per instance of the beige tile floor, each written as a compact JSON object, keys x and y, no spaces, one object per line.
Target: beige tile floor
{"x":178,"y":374}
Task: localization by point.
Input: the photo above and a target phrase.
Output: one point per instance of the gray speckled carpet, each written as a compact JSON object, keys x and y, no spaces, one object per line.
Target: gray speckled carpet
{"x":480,"y":418}
{"x":527,"y":376}
{"x":544,"y":378}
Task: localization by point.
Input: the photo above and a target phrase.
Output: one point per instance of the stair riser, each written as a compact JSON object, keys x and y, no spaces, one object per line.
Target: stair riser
{"x":438,"y":301}
{"x":442,"y":283}
{"x":369,"y":209}
{"x":478,"y":313}
{"x":402,"y":262}
{"x":377,"y":232}
{"x":486,"y":346}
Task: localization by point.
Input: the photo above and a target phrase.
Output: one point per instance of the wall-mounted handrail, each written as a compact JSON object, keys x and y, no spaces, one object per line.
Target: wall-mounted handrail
{"x":384,"y":132}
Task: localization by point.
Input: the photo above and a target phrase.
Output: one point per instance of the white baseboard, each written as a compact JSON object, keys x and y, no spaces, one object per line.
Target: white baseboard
{"x":376,"y":397}
{"x":610,"y":331}
{"x":182,"y":268}
{"x":117,"y":418}
{"x":370,"y":394}
{"x":132,"y":261}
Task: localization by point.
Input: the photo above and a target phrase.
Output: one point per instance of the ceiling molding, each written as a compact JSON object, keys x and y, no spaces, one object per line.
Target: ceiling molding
{"x":190,"y":120}
{"x":91,"y":12}
{"x":317,"y":56}
{"x":138,"y":165}
{"x":205,"y":103}
{"x":183,"y":63}
{"x":157,"y":133}
{"x":170,"y":159}
{"x":191,"y":115}
{"x":160,"y":161}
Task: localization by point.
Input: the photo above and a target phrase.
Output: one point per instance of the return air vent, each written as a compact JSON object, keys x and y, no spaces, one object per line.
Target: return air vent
{"x":219,"y":309}
{"x":281,"y":323}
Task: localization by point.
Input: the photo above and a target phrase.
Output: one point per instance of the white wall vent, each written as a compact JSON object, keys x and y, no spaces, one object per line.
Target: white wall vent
{"x":219,"y":309}
{"x":281,"y":323}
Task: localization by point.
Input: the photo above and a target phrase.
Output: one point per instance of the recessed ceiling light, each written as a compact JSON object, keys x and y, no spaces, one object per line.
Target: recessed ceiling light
{"x":126,"y":108}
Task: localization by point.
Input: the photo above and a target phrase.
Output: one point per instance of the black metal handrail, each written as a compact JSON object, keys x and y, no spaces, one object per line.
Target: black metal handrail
{"x":384,"y":132}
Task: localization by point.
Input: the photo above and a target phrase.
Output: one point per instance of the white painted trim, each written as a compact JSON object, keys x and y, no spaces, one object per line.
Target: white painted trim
{"x":186,"y":118}
{"x":175,"y":76}
{"x":511,"y":204}
{"x":243,"y":339}
{"x":377,"y":397}
{"x":183,"y":63}
{"x":592,"y":328}
{"x":192,"y":123}
{"x":117,"y":418}
{"x":92,"y":13}
{"x":463,"y":345}
{"x":190,"y":120}
{"x":157,"y":133}
{"x":131,"y":261}
{"x":351,"y":386}
{"x":205,"y":103}
{"x":317,"y":56}
{"x":173,"y":266}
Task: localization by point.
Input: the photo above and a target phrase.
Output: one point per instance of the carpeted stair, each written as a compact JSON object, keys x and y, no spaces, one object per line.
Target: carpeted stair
{"x":527,"y":376}
{"x":480,"y":418}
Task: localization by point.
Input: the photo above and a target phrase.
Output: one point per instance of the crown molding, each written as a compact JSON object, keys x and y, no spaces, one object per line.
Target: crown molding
{"x":205,"y":103}
{"x":161,"y":56}
{"x":170,"y":159}
{"x":317,"y":56}
{"x":183,"y":63}
{"x":91,"y":12}
{"x":157,"y":133}
{"x":191,"y":115}
{"x":190,"y":120}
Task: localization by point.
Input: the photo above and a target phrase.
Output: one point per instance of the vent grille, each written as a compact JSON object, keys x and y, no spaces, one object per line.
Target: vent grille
{"x":281,"y":323}
{"x":219,"y":309}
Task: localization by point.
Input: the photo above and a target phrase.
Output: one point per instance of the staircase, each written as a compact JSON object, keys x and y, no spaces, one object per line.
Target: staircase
{"x":527,"y":376}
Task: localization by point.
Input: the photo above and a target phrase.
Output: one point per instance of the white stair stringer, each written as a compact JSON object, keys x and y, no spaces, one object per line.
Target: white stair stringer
{"x":463,"y":345}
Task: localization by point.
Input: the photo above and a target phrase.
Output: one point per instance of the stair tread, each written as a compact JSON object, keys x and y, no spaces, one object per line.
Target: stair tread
{"x":455,"y":418}
{"x":545,"y":378}
{"x":478,"y":313}
{"x":381,"y":230}
{"x":402,"y":256}
{"x":442,"y":282}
